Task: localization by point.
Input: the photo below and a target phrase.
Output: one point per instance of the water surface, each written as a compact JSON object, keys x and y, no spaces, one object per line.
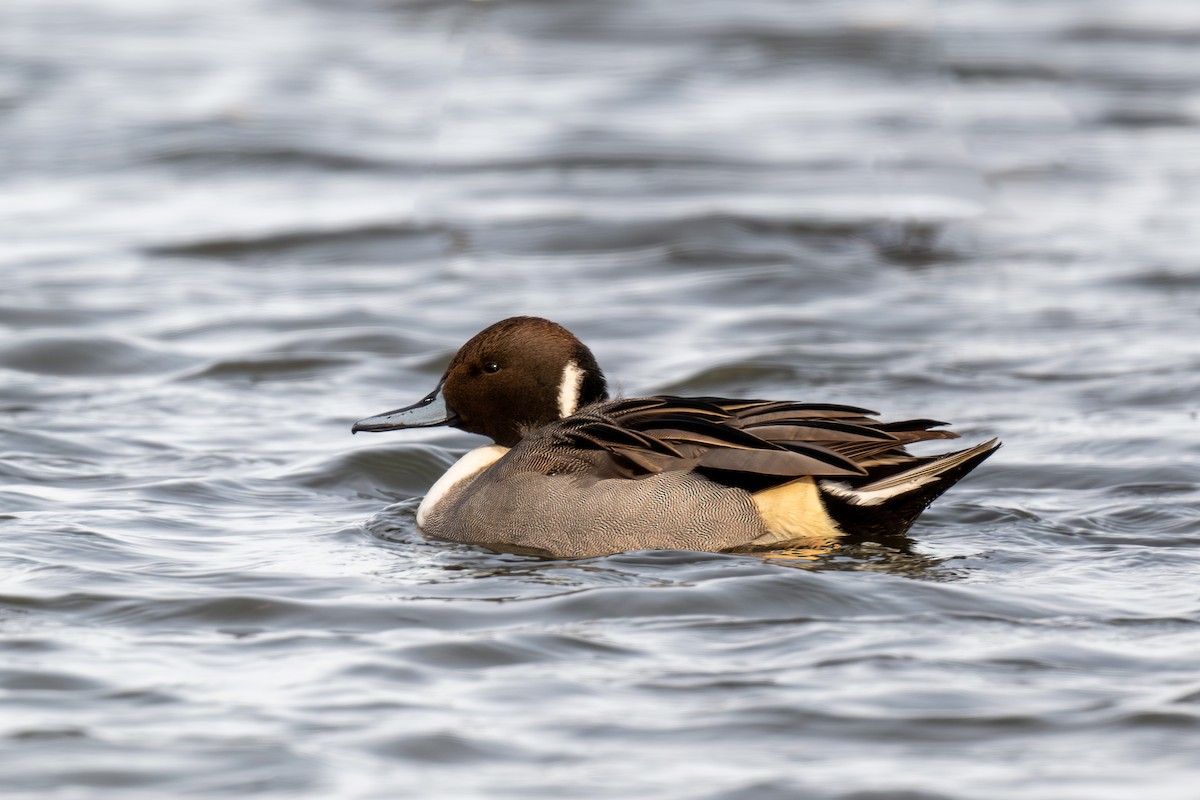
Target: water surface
{"x":231,"y":228}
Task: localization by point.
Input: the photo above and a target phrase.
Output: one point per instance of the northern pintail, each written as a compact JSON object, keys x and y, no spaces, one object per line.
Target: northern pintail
{"x":573,"y":473}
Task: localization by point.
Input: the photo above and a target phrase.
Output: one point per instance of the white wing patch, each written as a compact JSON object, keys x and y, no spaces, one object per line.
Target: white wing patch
{"x":568,"y":389}
{"x":469,"y":465}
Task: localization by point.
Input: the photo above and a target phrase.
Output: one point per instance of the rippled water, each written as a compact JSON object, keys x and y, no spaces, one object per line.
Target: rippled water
{"x":231,"y":228}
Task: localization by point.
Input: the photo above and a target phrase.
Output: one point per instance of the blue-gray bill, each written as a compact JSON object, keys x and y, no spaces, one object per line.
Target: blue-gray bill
{"x":427,"y":412}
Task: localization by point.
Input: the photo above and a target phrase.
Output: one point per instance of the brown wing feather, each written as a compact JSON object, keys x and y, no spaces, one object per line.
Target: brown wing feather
{"x":765,"y":442}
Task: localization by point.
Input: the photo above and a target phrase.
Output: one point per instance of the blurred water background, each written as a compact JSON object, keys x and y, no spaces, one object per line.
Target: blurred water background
{"x":230,"y":228}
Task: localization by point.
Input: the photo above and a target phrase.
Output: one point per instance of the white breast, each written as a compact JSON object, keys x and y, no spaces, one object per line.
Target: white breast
{"x":471,"y":464}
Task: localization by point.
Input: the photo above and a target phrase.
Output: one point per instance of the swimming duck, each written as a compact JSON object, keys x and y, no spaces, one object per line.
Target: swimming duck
{"x":573,"y":473}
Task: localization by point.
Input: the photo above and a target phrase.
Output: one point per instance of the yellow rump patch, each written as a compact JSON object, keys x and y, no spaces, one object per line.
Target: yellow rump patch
{"x":794,"y":511}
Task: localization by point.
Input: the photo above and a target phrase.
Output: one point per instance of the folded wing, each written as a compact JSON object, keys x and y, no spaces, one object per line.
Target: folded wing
{"x":749,"y":443}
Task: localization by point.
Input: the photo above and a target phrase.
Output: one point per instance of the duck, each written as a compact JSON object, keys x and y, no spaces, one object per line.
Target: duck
{"x":573,"y":473}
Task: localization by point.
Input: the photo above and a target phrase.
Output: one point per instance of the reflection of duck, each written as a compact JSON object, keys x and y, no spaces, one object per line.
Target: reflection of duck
{"x":572,"y":473}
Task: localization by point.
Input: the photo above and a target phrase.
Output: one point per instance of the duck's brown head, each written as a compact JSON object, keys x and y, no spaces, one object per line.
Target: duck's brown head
{"x":514,"y":376}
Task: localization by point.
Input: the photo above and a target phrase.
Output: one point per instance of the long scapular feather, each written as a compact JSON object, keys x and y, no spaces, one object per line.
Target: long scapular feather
{"x":726,"y":434}
{"x":817,"y":430}
{"x":775,"y":462}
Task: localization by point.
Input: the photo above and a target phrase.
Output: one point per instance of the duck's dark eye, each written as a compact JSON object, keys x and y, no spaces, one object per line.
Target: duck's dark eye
{"x":491,"y":366}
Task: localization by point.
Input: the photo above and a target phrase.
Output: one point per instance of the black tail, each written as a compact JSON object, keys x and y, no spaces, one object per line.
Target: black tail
{"x":888,"y":507}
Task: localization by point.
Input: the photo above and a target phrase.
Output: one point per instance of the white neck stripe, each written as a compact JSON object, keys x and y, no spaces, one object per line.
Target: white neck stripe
{"x":568,"y":389}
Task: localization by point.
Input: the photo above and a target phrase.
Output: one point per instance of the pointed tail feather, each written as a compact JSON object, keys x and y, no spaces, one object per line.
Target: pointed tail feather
{"x":890,"y":505}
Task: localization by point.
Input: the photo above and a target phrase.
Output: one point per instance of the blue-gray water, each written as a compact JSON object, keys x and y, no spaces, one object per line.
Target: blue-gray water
{"x":230,"y":228}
